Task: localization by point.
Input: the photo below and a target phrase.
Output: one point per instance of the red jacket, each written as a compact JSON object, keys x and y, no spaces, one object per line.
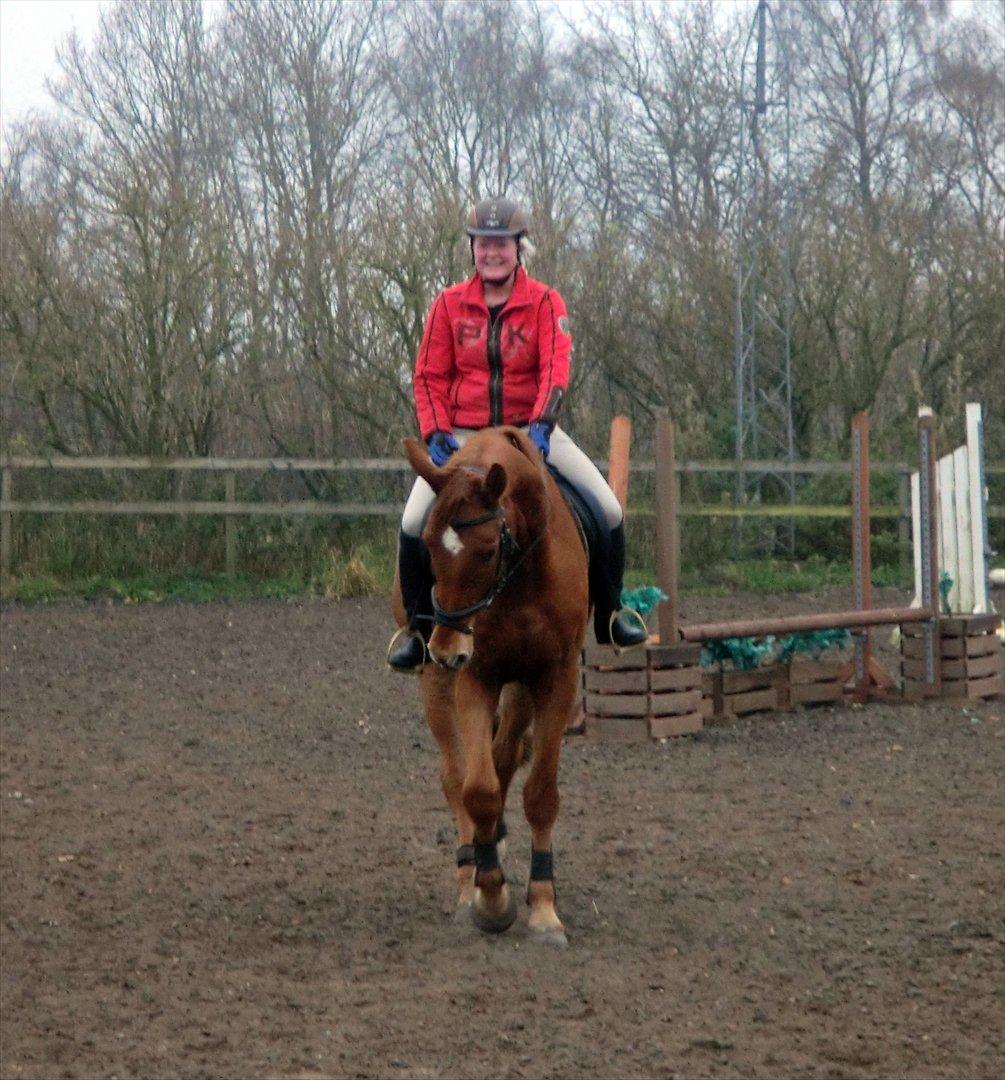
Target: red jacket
{"x":471,"y":374}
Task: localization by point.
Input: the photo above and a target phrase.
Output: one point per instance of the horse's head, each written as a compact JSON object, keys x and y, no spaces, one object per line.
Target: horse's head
{"x":465,"y":534}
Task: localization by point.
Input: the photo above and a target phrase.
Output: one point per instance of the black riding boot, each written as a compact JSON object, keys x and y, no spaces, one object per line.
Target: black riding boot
{"x":627,"y":628}
{"x":408,"y":653}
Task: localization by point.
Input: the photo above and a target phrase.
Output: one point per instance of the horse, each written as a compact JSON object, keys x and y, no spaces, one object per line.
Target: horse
{"x":510,"y":608}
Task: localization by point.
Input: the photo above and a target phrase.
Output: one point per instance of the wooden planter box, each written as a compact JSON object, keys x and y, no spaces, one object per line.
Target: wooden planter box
{"x":774,"y":687}
{"x":969,"y":652}
{"x":816,"y":682}
{"x":743,"y":693}
{"x":646,"y":693}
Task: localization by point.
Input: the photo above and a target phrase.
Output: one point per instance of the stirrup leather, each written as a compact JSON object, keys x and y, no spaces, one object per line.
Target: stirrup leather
{"x":404,"y":630}
{"x":619,"y":649}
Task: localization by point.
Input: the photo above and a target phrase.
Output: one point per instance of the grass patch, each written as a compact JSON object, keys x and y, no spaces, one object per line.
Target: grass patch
{"x":153,"y":587}
{"x":357,"y":574}
{"x":367,"y":569}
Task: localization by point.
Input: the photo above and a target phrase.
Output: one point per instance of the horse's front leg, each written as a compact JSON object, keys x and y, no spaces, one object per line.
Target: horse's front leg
{"x":540,"y":799}
{"x":438,"y":701}
{"x":494,"y":906}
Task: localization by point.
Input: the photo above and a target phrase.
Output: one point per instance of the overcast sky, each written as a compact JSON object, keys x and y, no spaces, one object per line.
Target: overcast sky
{"x":31,"y":29}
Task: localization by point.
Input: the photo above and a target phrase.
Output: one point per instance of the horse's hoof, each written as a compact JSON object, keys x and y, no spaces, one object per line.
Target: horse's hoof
{"x":549,"y":935}
{"x":495,"y":924}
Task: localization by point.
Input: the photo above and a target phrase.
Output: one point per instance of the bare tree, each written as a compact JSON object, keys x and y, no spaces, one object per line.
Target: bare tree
{"x":140,"y":227}
{"x":232,"y":235}
{"x":306,"y":105}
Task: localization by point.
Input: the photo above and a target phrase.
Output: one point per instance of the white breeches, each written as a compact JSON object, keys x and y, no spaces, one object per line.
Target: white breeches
{"x":566,"y":457}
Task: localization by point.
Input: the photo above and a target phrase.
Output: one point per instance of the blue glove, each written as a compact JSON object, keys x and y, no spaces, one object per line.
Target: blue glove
{"x":441,"y":445}
{"x":540,"y":436}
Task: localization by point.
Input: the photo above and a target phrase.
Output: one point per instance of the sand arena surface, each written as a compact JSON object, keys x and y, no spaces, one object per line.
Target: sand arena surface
{"x":225,"y":854}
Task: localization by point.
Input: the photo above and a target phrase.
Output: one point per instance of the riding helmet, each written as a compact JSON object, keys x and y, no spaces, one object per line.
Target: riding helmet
{"x":497,"y":217}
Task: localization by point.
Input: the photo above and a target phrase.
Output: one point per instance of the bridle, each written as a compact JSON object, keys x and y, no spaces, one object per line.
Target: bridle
{"x":506,"y":567}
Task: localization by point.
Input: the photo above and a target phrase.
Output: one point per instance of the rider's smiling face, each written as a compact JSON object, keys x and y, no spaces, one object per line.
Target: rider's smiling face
{"x":495,"y":257}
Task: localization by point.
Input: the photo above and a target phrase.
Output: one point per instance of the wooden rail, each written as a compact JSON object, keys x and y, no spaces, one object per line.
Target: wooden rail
{"x":230,"y":507}
{"x":395,"y":464}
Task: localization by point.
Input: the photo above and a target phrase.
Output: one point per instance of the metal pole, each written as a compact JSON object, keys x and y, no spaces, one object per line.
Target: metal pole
{"x":904,"y":520}
{"x":667,"y":534}
{"x":927,"y":466}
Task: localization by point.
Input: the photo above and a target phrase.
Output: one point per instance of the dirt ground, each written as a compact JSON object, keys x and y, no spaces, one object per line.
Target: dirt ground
{"x":225,"y":854}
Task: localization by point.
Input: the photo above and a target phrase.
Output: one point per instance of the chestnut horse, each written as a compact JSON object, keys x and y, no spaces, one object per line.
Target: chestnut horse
{"x":510,"y":609}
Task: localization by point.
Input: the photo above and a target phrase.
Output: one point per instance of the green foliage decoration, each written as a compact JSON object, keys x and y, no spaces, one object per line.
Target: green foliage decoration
{"x":945,"y":584}
{"x":643,"y":599}
{"x":748,"y":653}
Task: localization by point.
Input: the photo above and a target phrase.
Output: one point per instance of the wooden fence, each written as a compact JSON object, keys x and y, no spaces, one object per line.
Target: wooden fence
{"x":230,"y":508}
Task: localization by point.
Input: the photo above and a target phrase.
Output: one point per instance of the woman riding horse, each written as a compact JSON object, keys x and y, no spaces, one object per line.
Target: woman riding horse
{"x":496,"y":350}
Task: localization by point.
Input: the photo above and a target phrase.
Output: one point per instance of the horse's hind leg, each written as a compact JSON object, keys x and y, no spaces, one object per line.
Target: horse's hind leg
{"x":438,"y":700}
{"x":516,"y":709}
{"x":540,"y":800}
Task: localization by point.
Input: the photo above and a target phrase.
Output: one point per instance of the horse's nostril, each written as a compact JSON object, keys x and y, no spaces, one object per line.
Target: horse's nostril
{"x":460,"y":660}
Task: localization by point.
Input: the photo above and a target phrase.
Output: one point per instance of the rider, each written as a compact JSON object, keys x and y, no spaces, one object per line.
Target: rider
{"x":496,"y":350}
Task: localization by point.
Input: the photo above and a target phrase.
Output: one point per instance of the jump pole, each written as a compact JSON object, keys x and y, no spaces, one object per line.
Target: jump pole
{"x":869,"y":675}
{"x":835,"y":620}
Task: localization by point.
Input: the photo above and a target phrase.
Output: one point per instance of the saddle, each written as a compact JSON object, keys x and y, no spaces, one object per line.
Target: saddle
{"x":593,"y":532}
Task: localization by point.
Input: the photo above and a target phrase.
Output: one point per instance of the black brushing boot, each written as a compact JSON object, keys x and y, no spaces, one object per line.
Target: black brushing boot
{"x":407,"y":652}
{"x":613,"y":624}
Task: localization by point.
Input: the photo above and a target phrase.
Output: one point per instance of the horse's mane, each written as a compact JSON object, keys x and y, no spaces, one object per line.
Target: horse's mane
{"x":526,"y":488}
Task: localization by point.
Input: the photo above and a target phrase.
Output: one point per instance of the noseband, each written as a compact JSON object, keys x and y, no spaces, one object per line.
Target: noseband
{"x":505,"y":568}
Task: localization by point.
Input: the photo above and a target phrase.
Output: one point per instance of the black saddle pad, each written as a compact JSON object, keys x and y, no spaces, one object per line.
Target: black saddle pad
{"x":593,"y":530}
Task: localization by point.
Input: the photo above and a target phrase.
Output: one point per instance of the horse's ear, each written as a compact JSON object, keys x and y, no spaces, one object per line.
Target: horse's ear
{"x":494,"y":484}
{"x":418,"y":458}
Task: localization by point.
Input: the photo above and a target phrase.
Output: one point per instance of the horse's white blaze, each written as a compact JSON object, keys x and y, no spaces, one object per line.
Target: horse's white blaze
{"x":452,"y":542}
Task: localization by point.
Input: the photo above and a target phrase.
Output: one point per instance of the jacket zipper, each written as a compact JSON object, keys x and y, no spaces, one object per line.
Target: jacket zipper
{"x":496,"y":373}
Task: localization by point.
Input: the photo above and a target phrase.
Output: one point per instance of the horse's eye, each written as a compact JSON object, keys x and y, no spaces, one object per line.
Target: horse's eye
{"x":487,"y":554}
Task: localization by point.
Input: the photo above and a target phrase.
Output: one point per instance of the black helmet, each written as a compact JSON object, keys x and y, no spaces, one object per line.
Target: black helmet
{"x":497,"y":217}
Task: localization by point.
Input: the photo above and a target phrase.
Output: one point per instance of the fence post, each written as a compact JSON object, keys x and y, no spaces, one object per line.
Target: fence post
{"x":6,"y":484}
{"x":617,"y":461}
{"x":231,"y":525}
{"x":861,"y":546}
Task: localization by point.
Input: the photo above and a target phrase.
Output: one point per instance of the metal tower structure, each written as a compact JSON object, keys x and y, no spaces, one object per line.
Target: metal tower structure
{"x":765,"y":447}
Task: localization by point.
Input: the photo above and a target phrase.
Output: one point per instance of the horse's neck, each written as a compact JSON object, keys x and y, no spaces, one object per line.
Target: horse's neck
{"x":530,"y":517}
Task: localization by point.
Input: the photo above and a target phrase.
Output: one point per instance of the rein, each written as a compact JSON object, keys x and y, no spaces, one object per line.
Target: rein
{"x":504,"y":571}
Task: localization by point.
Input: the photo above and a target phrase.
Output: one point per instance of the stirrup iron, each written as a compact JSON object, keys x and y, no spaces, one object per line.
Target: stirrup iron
{"x":619,"y":649}
{"x":404,"y":630}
